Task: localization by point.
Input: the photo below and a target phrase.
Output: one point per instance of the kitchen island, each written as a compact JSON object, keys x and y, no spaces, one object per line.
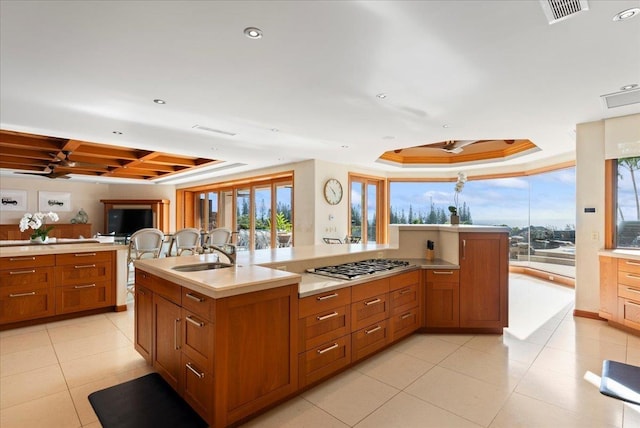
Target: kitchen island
{"x":235,"y":341}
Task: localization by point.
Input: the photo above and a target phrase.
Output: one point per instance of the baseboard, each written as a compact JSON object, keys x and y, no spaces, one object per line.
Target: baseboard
{"x":120,"y":308}
{"x":587,"y":314}
{"x":547,"y":276}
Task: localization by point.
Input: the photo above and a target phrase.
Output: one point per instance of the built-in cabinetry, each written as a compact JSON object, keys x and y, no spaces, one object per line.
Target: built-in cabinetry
{"x":39,"y":286}
{"x":484,"y":279}
{"x":182,"y":332}
{"x":475,"y":297}
{"x":159,"y":207}
{"x":620,"y":291}
{"x":60,"y":230}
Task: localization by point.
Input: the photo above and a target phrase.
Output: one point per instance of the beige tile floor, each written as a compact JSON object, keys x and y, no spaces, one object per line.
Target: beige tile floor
{"x":543,"y":372}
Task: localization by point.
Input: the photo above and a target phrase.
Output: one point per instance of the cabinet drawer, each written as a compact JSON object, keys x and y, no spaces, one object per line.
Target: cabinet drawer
{"x":325,"y":326}
{"x":404,"y":298}
{"x":629,"y":278}
{"x":369,"y":311}
{"x":29,"y":277}
{"x":369,"y":289}
{"x":83,"y":258}
{"x":322,"y":361}
{"x":629,"y":292}
{"x":197,"y":303}
{"x":369,"y":340}
{"x":630,"y":312}
{"x":404,"y":279}
{"x":18,"y":262}
{"x":26,"y":305}
{"x":144,"y":278}
{"x":83,"y":296}
{"x":628,"y":265}
{"x":198,"y":339}
{"x":323,"y":302}
{"x":404,"y":323}
{"x":443,"y":275}
{"x":82,"y":273}
{"x":198,"y":388}
{"x":166,"y":289}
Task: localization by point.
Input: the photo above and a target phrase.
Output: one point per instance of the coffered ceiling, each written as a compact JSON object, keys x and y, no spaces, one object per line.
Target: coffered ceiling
{"x":340,"y":81}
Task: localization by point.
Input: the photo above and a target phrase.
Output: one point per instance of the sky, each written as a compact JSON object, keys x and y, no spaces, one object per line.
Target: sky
{"x":550,"y":197}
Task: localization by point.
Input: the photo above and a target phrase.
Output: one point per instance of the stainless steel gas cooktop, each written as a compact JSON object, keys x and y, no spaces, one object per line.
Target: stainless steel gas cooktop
{"x":359,"y":269}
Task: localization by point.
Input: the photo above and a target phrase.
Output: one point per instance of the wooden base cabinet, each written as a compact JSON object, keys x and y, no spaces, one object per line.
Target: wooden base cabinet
{"x":442,"y":298}
{"x":228,"y":358}
{"x":608,"y":288}
{"x":484,"y":281}
{"x":405,"y":294}
{"x":28,"y":288}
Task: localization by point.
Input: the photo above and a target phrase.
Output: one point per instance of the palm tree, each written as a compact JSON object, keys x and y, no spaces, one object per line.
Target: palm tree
{"x":632,"y":164}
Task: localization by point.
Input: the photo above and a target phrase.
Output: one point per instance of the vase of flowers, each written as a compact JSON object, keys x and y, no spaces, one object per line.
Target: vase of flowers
{"x":37,"y":221}
{"x":453,"y":209}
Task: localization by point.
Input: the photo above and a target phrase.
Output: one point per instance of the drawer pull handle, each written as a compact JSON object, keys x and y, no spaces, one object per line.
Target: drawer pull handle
{"x":407,"y":315}
{"x":632,"y":263}
{"x":21,"y":259}
{"x":84,"y":266}
{"x":85,"y":255}
{"x":194,"y":297}
{"x":372,"y":302}
{"x":176,"y":346}
{"x":327,"y":349}
{"x":85,"y":286}
{"x":633,"y":290}
{"x":373,"y":330}
{"x":632,"y":304}
{"x":31,"y":293}
{"x":22,"y":272}
{"x":632,"y":276}
{"x":328,"y":296}
{"x":194,"y":322}
{"x":326,"y":317}
{"x":443,"y":272}
{"x":405,"y":291}
{"x":195,"y":372}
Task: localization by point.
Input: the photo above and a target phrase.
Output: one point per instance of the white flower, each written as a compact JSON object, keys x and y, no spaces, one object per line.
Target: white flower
{"x":36,"y":220}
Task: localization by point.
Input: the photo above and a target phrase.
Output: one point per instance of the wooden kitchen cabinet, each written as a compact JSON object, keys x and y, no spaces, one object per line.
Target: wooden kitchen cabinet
{"x":629,"y":293}
{"x":143,"y":330}
{"x":405,"y":297}
{"x":369,"y":314}
{"x":28,"y":288}
{"x":608,"y":288}
{"x":484,"y":276}
{"x":442,"y":298}
{"x":167,"y":340}
{"x":84,"y":281}
{"x":324,"y":335}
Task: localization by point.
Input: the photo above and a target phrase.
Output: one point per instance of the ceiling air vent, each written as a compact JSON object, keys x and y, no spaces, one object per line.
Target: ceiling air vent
{"x":217,"y":131}
{"x":619,"y":99}
{"x":559,"y":10}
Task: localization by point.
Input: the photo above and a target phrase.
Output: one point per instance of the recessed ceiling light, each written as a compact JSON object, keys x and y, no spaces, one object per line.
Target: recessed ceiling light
{"x":159,"y":101}
{"x":628,"y":87}
{"x":117,"y":132}
{"x":445,"y":125}
{"x":381,"y":95}
{"x":344,"y":146}
{"x":626,"y":14}
{"x":253,"y":32}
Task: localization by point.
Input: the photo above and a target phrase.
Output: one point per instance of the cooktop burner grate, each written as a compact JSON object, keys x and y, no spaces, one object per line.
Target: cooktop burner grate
{"x":359,"y":269}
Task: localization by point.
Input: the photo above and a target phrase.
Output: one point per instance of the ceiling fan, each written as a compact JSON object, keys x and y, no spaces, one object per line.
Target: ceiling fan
{"x":454,"y":146}
{"x":50,"y":172}
{"x":62,"y":159}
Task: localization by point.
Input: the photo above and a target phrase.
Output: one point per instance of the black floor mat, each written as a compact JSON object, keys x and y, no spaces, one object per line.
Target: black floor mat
{"x":621,"y":381}
{"x":144,"y":402}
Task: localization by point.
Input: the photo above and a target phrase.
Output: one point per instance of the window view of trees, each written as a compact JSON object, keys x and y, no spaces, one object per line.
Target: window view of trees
{"x":538,"y":209}
{"x":628,"y":204}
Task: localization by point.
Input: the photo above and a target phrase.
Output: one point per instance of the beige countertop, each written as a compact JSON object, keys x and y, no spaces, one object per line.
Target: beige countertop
{"x":248,"y":275}
{"x":621,"y":254}
{"x":62,"y":246}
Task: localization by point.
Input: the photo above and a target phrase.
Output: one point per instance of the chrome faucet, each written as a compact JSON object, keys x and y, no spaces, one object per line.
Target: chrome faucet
{"x":227,"y":250}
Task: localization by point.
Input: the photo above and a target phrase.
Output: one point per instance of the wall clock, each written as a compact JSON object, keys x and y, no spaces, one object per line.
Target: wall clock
{"x":333,"y":191}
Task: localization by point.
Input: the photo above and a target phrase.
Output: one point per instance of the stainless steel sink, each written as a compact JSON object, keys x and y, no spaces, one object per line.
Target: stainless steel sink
{"x":202,"y":266}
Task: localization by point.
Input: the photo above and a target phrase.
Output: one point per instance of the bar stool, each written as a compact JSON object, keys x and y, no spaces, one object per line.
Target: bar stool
{"x":185,"y":240}
{"x":147,"y":241}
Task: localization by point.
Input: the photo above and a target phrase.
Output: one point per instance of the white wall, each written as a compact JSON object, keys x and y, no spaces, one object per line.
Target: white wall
{"x":83,"y":195}
{"x":590,"y":192}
